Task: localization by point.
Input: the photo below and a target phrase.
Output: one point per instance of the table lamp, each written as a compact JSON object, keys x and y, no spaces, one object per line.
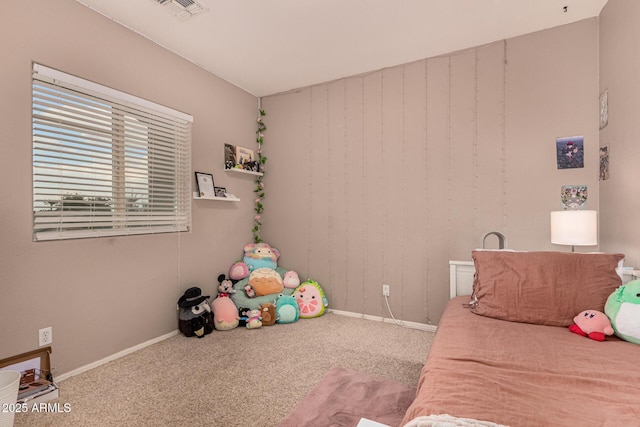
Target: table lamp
{"x":575,"y":228}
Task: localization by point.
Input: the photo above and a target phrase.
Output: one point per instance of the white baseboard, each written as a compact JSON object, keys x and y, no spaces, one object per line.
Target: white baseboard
{"x":403,"y":323}
{"x":118,"y":355}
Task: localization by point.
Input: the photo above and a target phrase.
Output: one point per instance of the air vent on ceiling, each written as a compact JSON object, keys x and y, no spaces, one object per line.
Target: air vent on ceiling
{"x":183,"y":9}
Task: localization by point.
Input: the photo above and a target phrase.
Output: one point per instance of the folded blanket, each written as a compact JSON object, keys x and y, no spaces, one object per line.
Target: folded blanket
{"x":445,"y":420}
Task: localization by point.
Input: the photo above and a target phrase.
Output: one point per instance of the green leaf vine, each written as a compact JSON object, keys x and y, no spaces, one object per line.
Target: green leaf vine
{"x":259,"y":190}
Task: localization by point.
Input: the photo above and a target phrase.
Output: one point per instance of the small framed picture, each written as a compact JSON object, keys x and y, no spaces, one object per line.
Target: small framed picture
{"x":574,"y":197}
{"x":604,"y":162}
{"x":570,"y":152}
{"x":220,"y":191}
{"x":229,"y":156}
{"x":204,"y":181}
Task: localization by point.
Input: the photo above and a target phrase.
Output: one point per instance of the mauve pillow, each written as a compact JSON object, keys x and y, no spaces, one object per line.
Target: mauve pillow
{"x":545,"y":288}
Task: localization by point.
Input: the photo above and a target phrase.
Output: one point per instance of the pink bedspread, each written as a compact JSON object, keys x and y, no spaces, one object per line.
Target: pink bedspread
{"x":526,"y":375}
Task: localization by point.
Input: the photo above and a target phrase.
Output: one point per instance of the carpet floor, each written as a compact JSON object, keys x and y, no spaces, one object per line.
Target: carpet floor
{"x":234,"y":378}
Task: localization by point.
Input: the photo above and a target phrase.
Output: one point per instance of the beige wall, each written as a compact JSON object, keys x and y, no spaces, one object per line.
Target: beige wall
{"x":105,"y":295}
{"x":619,"y":74}
{"x":383,"y":178}
{"x":375,"y":178}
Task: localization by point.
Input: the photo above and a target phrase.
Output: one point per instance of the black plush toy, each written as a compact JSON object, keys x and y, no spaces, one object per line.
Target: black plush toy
{"x":243,"y":314}
{"x":195,"y":317}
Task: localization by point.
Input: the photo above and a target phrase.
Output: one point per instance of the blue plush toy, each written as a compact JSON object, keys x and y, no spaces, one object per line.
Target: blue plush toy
{"x":260,"y":255}
{"x":623,"y":309}
{"x":287,"y":310}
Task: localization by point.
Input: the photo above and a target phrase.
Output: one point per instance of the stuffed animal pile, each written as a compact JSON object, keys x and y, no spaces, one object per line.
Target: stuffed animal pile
{"x":256,"y":293}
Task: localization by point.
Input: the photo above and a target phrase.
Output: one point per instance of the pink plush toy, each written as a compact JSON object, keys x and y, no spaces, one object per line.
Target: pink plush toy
{"x":238,"y":271}
{"x":291,"y":279}
{"x":225,"y":312}
{"x":593,"y":324}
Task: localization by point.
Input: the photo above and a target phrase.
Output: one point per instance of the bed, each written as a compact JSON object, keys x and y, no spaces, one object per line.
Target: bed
{"x":510,"y":358}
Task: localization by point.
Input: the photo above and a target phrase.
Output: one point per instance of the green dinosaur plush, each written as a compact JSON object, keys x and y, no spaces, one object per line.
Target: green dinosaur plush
{"x":623,"y":309}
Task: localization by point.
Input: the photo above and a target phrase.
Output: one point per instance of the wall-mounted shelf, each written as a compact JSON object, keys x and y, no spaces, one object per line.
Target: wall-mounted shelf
{"x":244,"y":171}
{"x":222,"y":199}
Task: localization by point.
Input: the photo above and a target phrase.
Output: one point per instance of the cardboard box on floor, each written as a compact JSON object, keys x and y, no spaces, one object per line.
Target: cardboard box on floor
{"x":19,"y":362}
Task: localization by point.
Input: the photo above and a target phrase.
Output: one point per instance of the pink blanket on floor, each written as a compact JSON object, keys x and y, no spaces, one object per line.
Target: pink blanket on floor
{"x":344,"y":396}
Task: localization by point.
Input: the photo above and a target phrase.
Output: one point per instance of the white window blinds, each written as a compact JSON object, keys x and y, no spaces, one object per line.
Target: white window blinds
{"x":106,"y":163}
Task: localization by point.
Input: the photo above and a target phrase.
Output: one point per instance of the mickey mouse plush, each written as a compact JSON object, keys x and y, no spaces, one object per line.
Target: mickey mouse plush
{"x":225,"y":287}
{"x":225,"y":312}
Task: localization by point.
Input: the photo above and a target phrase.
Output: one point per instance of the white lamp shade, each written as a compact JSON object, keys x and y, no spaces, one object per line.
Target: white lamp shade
{"x":571,"y":227}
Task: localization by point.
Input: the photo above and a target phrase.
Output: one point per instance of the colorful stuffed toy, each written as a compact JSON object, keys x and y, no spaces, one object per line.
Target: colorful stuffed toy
{"x":194,"y":316}
{"x":593,"y":324}
{"x":260,"y":255}
{"x":265,"y":281}
{"x":311,"y":299}
{"x":254,"y":320}
{"x":287,"y":310}
{"x":268,"y":313}
{"x":248,"y":290}
{"x":623,"y":308}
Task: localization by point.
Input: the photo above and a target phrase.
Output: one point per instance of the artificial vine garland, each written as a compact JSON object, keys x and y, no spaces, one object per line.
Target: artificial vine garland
{"x":259,"y":190}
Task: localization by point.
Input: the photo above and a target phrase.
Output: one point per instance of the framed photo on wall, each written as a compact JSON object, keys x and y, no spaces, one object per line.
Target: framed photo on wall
{"x":574,"y":196}
{"x":604,"y":162}
{"x":604,"y":109}
{"x":570,"y":152}
{"x":204,"y":181}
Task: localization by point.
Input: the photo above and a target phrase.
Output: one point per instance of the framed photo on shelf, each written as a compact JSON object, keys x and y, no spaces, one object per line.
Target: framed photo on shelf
{"x":236,"y":157}
{"x":229,"y":156}
{"x":220,"y":191}
{"x":204,"y":181}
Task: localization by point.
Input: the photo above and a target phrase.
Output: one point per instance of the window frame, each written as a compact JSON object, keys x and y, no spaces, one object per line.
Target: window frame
{"x":148,"y":148}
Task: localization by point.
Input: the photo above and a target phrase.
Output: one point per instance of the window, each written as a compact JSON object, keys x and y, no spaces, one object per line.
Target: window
{"x":106,"y":163}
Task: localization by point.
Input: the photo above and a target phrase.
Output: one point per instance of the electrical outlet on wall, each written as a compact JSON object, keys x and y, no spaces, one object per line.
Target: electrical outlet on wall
{"x":45,"y":336}
{"x":385,"y":290}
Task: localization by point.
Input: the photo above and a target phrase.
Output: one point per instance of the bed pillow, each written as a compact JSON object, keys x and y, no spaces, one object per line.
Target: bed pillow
{"x":545,"y":288}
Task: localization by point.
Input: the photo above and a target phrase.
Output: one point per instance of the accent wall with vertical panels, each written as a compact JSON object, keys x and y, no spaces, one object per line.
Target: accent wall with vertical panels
{"x":385,"y":177}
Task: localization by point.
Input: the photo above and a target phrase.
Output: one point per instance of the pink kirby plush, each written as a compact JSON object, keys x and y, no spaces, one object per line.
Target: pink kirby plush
{"x":593,"y":324}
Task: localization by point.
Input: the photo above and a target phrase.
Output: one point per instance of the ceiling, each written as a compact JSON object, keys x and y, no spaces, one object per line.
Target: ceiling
{"x":272,"y":46}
